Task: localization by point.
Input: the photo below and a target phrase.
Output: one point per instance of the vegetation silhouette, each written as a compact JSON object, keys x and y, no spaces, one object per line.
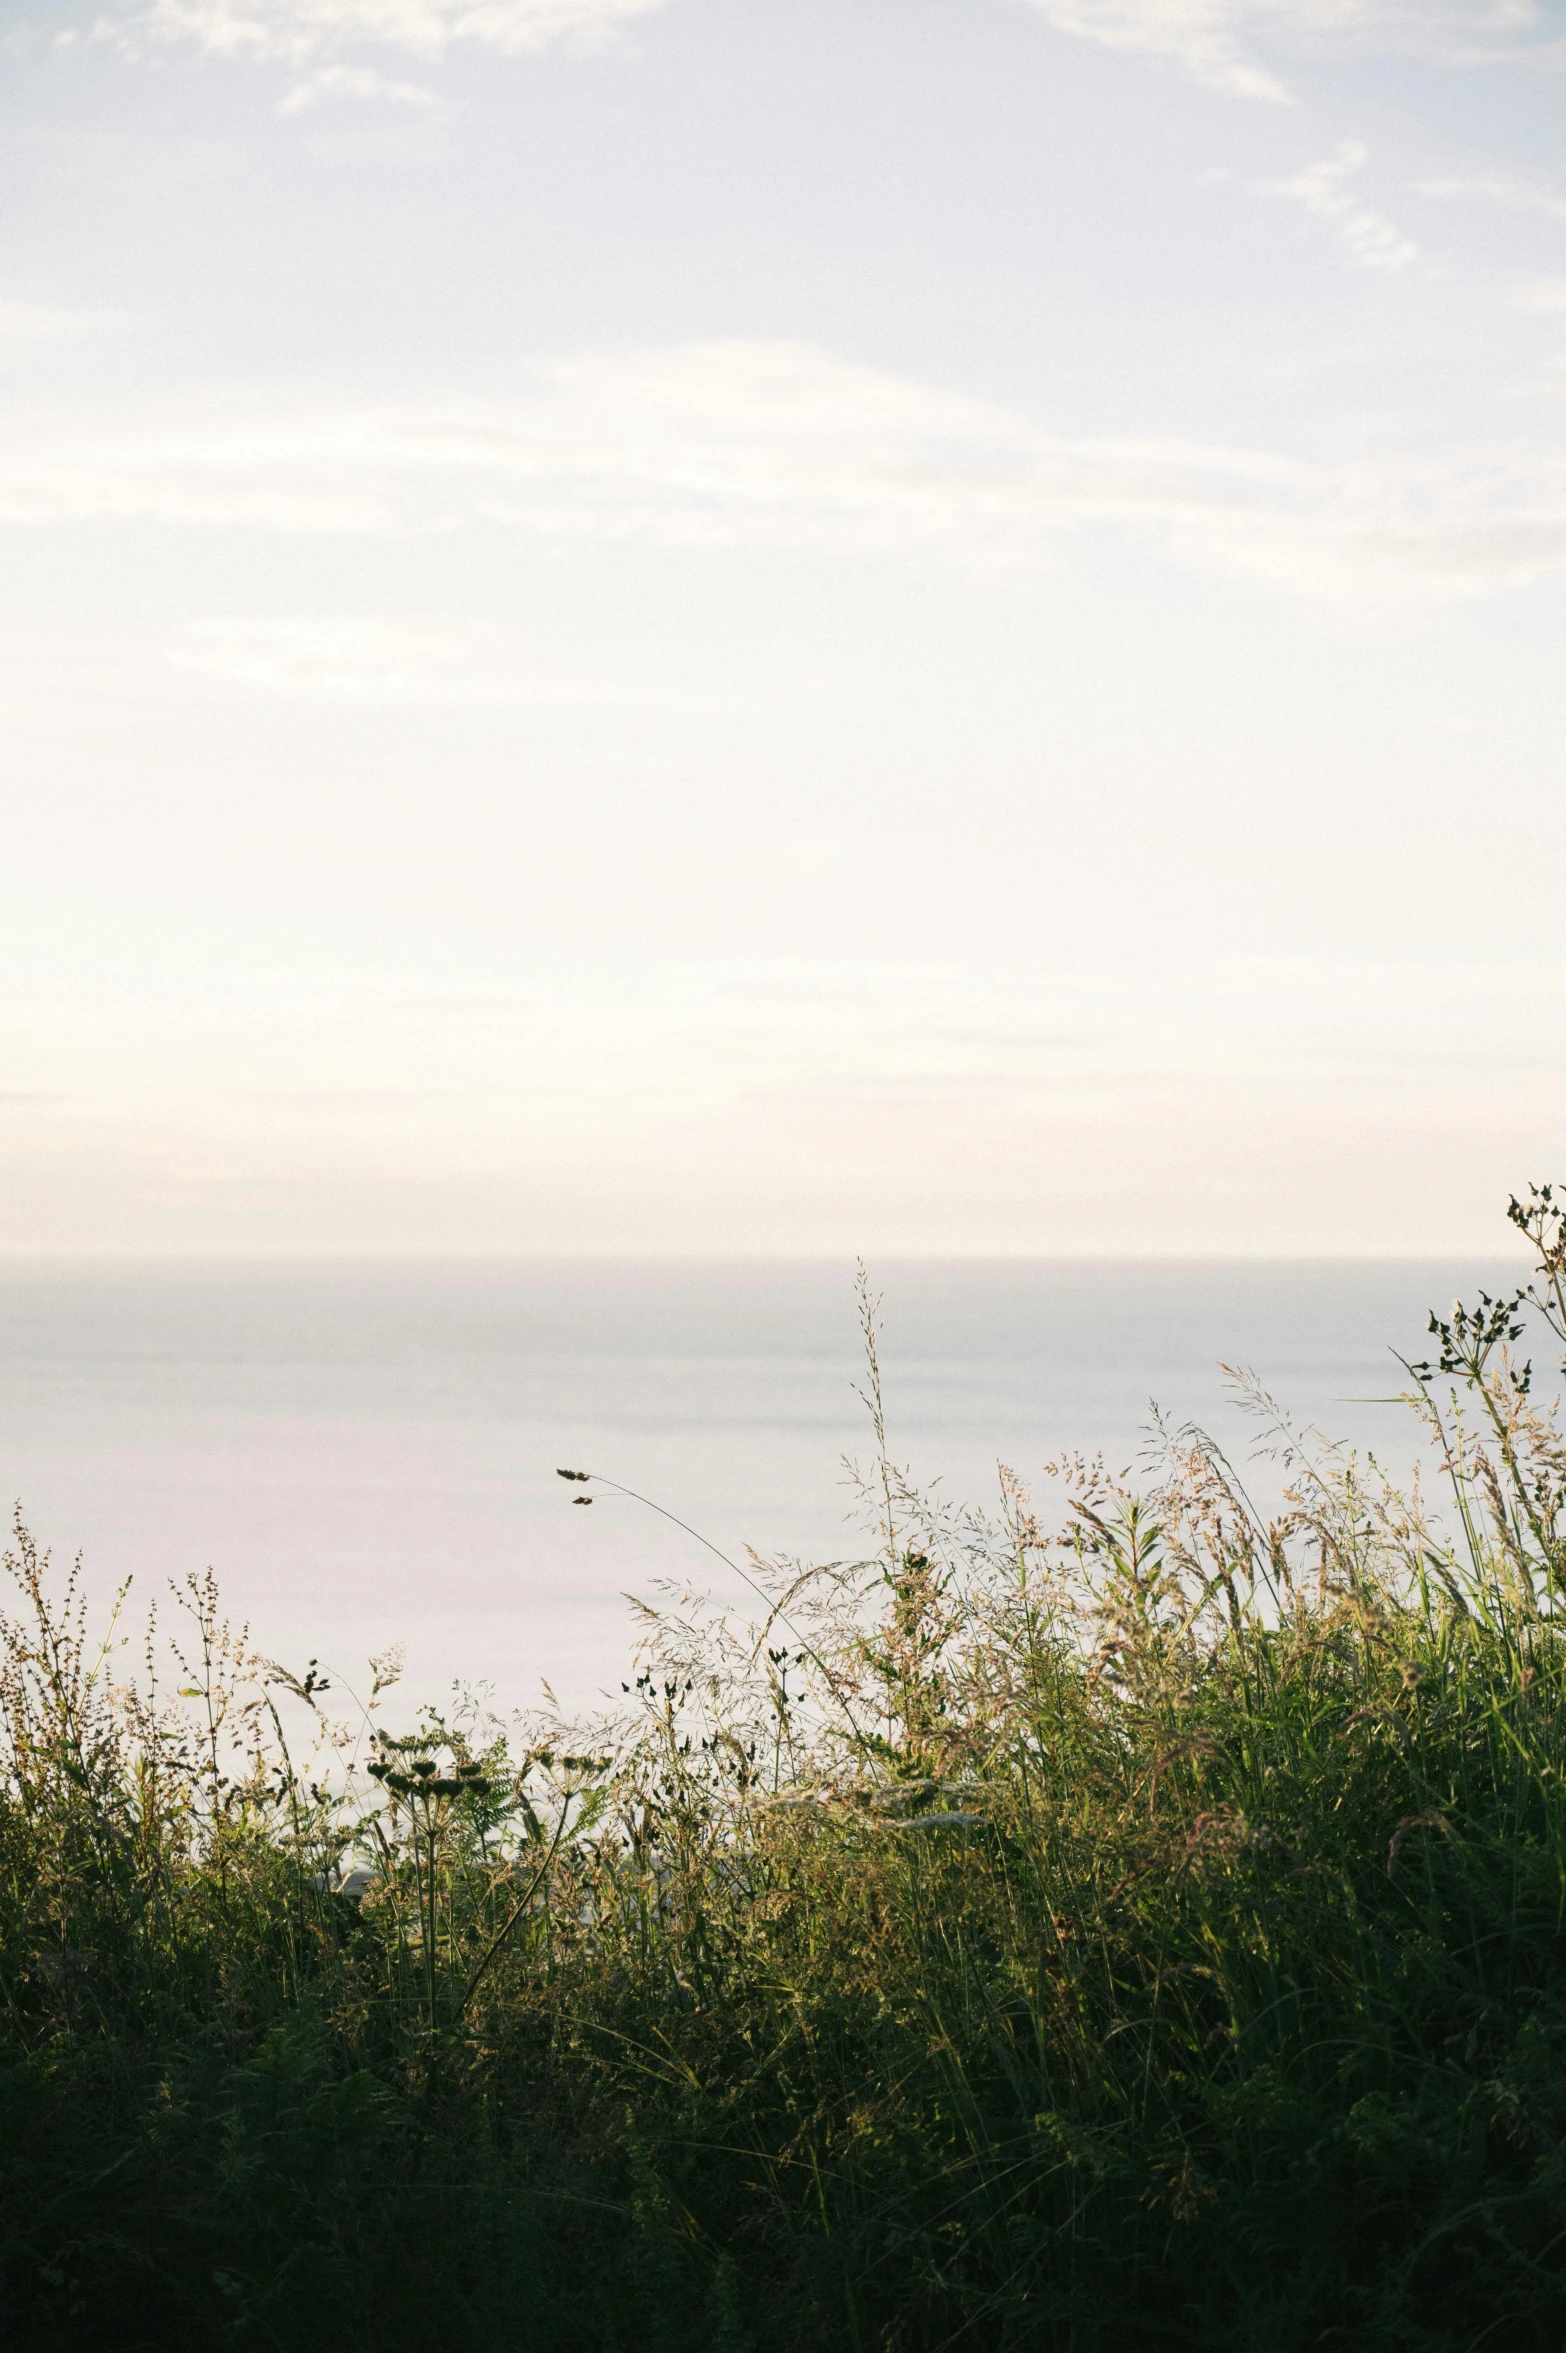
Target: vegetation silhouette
{"x":1141,"y":1923}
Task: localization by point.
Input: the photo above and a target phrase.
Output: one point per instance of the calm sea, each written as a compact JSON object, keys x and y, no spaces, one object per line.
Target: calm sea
{"x":367,"y":1452}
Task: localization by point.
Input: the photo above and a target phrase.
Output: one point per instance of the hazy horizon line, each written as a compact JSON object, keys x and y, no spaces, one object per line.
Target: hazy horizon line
{"x":20,"y":1260}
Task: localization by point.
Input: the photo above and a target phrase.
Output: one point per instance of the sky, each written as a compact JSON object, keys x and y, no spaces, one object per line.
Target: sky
{"x":780,"y":626}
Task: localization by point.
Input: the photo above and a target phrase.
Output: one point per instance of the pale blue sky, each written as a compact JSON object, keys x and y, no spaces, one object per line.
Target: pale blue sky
{"x":740,"y":626}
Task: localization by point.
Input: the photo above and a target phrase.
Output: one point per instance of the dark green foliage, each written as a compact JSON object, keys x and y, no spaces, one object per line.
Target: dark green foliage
{"x":1146,"y":1931}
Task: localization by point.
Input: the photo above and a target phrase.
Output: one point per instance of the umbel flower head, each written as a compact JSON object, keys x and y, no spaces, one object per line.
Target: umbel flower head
{"x":468,"y":1780}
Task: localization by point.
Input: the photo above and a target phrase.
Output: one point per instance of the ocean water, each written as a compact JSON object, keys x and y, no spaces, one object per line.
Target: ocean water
{"x":367,"y":1452}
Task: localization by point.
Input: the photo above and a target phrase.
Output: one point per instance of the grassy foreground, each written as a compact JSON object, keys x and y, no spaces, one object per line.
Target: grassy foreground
{"x":1143,"y":1927}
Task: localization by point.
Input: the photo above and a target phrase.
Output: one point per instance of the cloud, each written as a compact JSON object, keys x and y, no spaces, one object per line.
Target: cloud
{"x":79,"y":677}
{"x":1202,"y":36}
{"x":31,"y":322}
{"x":1511,"y":195}
{"x":412,"y":662}
{"x":1546,"y":299}
{"x":1216,"y":41}
{"x":1369,"y":237}
{"x":771,"y":445}
{"x":298,"y":32}
{"x":352,"y":81}
{"x":373,"y":660}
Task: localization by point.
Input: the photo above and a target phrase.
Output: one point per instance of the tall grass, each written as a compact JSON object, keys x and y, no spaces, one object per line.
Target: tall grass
{"x":1137,"y":1923}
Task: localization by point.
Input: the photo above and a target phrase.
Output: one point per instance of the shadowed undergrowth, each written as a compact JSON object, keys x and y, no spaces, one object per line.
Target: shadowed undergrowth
{"x":1137,"y":1924}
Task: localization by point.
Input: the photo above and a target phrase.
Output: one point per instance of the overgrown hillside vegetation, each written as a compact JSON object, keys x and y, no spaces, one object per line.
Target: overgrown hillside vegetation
{"x":1139,"y":1927}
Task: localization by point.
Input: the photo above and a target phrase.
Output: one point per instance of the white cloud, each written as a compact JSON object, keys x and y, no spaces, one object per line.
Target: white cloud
{"x":1511,"y":195}
{"x":297,"y":32}
{"x":352,"y":81}
{"x":373,"y":660}
{"x":1545,"y":299}
{"x":81,"y":677}
{"x":781,"y":444}
{"x":32,"y":322}
{"x":1323,"y":189}
{"x":1216,"y":41}
{"x":1202,"y":36}
{"x":414,"y":662}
